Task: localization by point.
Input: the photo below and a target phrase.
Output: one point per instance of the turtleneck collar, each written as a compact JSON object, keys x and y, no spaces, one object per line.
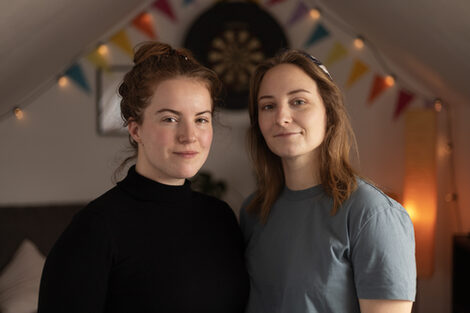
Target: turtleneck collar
{"x":146,"y":189}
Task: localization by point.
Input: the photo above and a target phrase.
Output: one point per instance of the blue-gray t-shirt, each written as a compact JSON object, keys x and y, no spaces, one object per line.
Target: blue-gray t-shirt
{"x":306,"y":260}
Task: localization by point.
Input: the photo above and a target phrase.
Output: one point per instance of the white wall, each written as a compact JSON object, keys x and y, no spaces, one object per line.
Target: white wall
{"x":55,"y":155}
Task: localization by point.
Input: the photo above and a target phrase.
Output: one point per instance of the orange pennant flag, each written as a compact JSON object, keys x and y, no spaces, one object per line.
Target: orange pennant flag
{"x":98,"y":59}
{"x":144,"y":23}
{"x":378,"y":87}
{"x":337,"y":52}
{"x":122,"y":41}
{"x":358,"y":70}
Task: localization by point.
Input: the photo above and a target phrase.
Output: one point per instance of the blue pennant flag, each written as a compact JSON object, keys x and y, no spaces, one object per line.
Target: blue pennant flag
{"x":320,"y":32}
{"x":76,"y":74}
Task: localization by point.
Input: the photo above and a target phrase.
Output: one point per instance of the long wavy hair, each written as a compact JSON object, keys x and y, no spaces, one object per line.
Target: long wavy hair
{"x":155,"y":62}
{"x":338,"y":178}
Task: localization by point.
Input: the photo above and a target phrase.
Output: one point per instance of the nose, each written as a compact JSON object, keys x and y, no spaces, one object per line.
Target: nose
{"x":186,"y":132}
{"x":283,"y":115}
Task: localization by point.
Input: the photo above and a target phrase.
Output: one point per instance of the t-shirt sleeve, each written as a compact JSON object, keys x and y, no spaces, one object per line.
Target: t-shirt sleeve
{"x":76,"y":271}
{"x":383,"y":256}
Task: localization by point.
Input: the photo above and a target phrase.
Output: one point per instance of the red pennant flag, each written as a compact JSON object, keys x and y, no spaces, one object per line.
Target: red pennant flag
{"x":144,"y":23}
{"x":165,"y":7}
{"x":378,"y":87}
{"x":404,"y":99}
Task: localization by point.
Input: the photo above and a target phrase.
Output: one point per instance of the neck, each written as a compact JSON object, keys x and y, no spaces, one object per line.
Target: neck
{"x":301,"y":173}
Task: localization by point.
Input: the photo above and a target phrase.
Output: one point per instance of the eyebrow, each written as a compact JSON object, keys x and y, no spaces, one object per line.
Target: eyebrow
{"x":289,"y":93}
{"x":179,"y":113}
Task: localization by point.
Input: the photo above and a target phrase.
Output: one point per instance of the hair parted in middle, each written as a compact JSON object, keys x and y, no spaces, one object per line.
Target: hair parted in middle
{"x":338,"y":178}
{"x":155,"y":62}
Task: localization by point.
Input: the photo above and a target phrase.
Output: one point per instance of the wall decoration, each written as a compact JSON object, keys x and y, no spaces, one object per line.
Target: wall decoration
{"x":109,"y":121}
{"x":232,"y":38}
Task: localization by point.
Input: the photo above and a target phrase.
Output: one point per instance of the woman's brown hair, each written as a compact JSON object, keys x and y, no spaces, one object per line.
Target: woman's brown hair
{"x":337,"y":176}
{"x":155,"y":62}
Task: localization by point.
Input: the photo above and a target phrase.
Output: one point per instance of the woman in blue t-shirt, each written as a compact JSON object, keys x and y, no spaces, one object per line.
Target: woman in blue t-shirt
{"x":319,"y":238}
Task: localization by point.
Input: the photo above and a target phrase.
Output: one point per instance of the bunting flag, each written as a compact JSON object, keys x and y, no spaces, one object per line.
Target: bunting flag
{"x":75,"y":73}
{"x":98,"y":60}
{"x":404,"y":99}
{"x":318,"y":33}
{"x":122,"y":41}
{"x":337,"y":52}
{"x":271,"y":2}
{"x":358,"y":70}
{"x":299,"y":13}
{"x":164,"y":6}
{"x":378,"y":87}
{"x":144,"y":23}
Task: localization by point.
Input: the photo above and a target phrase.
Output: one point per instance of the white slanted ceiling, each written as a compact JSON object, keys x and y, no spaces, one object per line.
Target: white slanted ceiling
{"x":430,"y":40}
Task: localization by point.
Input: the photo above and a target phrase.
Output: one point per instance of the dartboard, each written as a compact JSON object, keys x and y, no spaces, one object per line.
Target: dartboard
{"x":232,"y":38}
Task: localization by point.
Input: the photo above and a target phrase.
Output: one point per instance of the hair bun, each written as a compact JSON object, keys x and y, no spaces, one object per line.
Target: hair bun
{"x":148,"y":49}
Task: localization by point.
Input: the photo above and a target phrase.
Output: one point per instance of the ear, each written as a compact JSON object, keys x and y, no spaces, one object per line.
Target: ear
{"x":134,"y":130}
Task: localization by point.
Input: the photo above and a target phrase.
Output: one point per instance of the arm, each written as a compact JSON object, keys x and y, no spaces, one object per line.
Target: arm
{"x":75,"y":275}
{"x":385,"y":306}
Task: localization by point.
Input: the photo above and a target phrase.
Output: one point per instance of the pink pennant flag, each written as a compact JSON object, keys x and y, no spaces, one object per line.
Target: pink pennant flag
{"x":299,"y":13}
{"x":165,"y":7}
{"x":404,"y":99}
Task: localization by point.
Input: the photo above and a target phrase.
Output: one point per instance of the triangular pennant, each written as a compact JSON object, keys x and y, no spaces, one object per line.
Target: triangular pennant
{"x":318,"y":33}
{"x":187,"y":2}
{"x":299,"y":12}
{"x":358,"y":70}
{"x":378,"y":87}
{"x":165,"y":7}
{"x":98,"y":60}
{"x":271,"y":2}
{"x":337,"y":52}
{"x":75,"y":73}
{"x":122,"y":41}
{"x":404,"y":99}
{"x":144,"y":23}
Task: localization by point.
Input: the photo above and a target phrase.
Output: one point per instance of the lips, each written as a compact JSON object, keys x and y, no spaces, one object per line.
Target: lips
{"x":186,"y":154}
{"x":286,"y":134}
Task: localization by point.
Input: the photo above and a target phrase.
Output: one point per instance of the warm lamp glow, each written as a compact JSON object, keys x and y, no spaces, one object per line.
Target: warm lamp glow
{"x":103,"y":49}
{"x":420,"y":186}
{"x":18,"y":113}
{"x":146,"y":17}
{"x":315,"y":13}
{"x":62,"y":81}
{"x":438,"y":105}
{"x":390,"y":80}
{"x":359,"y":42}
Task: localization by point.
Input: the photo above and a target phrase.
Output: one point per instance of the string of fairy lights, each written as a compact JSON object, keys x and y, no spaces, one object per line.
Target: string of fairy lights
{"x":360,"y":42}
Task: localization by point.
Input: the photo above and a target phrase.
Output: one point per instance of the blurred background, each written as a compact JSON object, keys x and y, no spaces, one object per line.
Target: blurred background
{"x":402,"y":66}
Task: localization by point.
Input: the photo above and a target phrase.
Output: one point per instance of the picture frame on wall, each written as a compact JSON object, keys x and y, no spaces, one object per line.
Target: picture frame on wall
{"x":108,"y":101}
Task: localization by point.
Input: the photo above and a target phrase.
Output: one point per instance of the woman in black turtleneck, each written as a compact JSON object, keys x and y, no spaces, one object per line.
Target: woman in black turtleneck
{"x":151,"y":244}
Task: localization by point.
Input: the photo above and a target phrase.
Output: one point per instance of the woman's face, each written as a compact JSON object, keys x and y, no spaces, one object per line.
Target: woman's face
{"x":175,"y":135}
{"x":291,"y":113}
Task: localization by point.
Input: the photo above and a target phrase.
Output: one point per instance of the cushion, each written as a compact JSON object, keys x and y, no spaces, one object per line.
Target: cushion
{"x":19,"y":280}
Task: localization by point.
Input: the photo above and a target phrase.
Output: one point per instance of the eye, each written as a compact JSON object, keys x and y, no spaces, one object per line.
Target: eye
{"x":266,"y":107}
{"x":170,"y":119}
{"x":298,"y":102}
{"x":203,"y":120}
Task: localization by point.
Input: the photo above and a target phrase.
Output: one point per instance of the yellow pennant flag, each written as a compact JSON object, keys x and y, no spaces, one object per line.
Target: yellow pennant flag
{"x":358,"y":70}
{"x":337,"y":52}
{"x":98,"y":59}
{"x":121,"y":40}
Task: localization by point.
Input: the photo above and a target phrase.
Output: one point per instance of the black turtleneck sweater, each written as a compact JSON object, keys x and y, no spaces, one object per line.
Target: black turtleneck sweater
{"x":147,"y":247}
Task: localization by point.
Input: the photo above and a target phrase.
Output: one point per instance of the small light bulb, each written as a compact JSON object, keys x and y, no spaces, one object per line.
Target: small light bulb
{"x":18,"y":113}
{"x":103,"y":49}
{"x":438,"y":105}
{"x":390,"y":80}
{"x":315,"y":13}
{"x":146,"y":17}
{"x":62,"y":81}
{"x":359,"y":42}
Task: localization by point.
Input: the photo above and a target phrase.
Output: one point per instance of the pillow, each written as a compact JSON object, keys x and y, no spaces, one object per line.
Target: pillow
{"x":19,"y":281}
